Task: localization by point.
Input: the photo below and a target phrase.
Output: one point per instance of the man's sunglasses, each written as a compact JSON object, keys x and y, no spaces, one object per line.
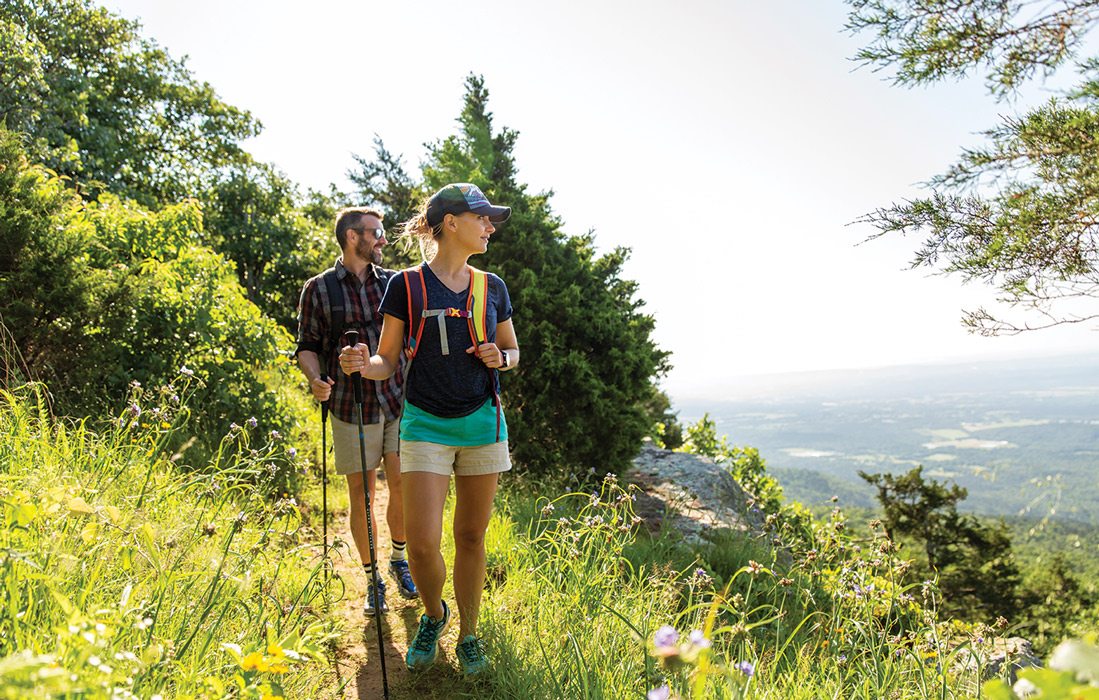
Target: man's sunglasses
{"x":378,"y":232}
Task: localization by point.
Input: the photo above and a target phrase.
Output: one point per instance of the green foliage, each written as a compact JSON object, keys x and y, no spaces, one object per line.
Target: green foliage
{"x":579,"y":398}
{"x":107,"y":294}
{"x":973,"y":561}
{"x":253,"y":217}
{"x":666,"y":432}
{"x":125,"y":577}
{"x":44,"y":243}
{"x":1056,"y":602}
{"x":1020,"y":213}
{"x":384,"y":183}
{"x":743,"y":463}
{"x":109,"y":108}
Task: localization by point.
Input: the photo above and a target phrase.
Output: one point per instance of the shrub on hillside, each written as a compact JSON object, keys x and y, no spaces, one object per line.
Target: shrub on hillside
{"x":100,"y":296}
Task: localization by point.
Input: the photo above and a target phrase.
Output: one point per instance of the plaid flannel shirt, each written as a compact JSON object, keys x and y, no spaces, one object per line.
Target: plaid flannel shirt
{"x":362,"y":301}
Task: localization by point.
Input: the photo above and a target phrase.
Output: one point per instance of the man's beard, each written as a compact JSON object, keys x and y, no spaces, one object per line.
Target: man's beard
{"x":365,"y":250}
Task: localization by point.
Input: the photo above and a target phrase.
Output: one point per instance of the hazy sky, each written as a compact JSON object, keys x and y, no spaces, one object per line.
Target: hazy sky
{"x":728,"y":144}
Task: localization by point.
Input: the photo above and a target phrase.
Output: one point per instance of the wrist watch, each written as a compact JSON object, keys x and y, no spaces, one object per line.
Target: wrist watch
{"x":507,"y":361}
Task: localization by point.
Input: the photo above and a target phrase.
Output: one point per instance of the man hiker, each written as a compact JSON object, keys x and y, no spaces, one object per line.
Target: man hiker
{"x":346,"y":297}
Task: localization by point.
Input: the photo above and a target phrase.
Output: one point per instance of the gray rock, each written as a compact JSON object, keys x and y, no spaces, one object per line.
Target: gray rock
{"x":692,"y":491}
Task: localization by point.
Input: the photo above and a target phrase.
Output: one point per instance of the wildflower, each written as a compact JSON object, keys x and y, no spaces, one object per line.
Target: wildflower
{"x":841,"y":659}
{"x":610,"y":478}
{"x":233,"y":427}
{"x":292,"y":452}
{"x":636,"y":520}
{"x":252,"y":422}
{"x":661,"y":693}
{"x":666,"y":636}
{"x":275,"y":435}
{"x":699,"y":640}
{"x":755,"y":567}
{"x":785,"y":581}
{"x":594,"y":500}
{"x":746,"y":668}
{"x":186,"y":371}
{"x":1025,"y":689}
{"x":135,"y":410}
{"x":701,"y":578}
{"x":254,"y":662}
{"x":547,"y":510}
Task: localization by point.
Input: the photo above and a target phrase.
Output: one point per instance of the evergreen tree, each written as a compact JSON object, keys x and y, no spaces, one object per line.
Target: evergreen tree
{"x":580,"y":400}
{"x":1020,"y":213}
{"x":973,"y":561}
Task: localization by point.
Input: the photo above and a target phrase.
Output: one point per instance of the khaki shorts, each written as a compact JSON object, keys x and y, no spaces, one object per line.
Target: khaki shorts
{"x":380,"y":438}
{"x":432,"y":457}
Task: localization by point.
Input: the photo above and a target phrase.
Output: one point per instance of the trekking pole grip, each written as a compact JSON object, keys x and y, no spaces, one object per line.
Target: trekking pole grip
{"x":324,"y":404}
{"x":352,"y":338}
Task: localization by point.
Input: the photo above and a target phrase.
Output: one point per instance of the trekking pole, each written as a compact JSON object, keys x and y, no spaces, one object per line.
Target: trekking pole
{"x":357,"y":383}
{"x":324,"y":485}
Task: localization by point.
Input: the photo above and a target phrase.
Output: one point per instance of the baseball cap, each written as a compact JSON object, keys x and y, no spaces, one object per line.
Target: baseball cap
{"x":460,"y":197}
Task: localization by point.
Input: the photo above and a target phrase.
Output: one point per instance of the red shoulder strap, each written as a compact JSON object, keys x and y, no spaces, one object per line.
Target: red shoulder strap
{"x":416,"y":291}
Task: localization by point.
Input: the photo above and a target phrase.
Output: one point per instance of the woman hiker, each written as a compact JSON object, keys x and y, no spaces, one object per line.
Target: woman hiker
{"x":455,"y":323}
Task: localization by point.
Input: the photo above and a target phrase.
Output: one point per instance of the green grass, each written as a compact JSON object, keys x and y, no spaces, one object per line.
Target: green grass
{"x":126,"y":575}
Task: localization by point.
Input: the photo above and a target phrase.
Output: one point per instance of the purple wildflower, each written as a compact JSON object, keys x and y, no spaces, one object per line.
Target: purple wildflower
{"x":661,"y":693}
{"x":666,"y":636}
{"x":746,"y":668}
{"x":699,"y":640}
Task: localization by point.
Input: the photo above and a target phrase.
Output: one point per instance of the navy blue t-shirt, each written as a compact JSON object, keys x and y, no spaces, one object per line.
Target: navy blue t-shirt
{"x":457,"y":384}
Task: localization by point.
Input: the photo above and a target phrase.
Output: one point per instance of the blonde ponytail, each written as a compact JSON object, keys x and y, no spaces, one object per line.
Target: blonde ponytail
{"x":417,"y":232}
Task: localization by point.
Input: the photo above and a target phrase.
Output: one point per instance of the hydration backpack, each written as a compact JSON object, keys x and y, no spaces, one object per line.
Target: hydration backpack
{"x":475,"y":314}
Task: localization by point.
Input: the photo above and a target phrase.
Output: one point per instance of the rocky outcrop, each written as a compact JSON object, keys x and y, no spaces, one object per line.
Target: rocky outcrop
{"x":692,"y":491}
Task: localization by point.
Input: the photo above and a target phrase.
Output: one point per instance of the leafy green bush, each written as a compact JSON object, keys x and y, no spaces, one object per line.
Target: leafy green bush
{"x":109,"y":293}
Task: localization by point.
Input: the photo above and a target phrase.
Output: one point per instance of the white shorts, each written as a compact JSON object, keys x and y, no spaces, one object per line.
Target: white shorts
{"x":380,"y":438}
{"x":417,"y":456}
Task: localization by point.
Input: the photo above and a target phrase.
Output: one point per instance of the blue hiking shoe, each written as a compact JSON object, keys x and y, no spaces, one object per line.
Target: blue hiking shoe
{"x":421,"y":653}
{"x":403,"y":577}
{"x":373,"y":599}
{"x":471,"y":654}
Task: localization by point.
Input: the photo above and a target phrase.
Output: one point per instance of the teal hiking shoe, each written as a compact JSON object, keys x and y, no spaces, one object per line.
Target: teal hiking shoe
{"x":471,"y":654}
{"x":421,"y":653}
{"x":403,"y":577}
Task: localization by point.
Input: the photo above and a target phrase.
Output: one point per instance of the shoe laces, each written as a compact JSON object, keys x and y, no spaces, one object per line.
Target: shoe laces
{"x":427,"y":634}
{"x":472,"y":650}
{"x":403,"y":572}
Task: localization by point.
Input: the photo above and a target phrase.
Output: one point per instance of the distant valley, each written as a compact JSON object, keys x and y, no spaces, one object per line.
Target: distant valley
{"x":1022,"y":436}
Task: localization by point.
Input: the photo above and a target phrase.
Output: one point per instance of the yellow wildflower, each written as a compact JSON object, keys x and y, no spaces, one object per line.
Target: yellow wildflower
{"x":254,"y":662}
